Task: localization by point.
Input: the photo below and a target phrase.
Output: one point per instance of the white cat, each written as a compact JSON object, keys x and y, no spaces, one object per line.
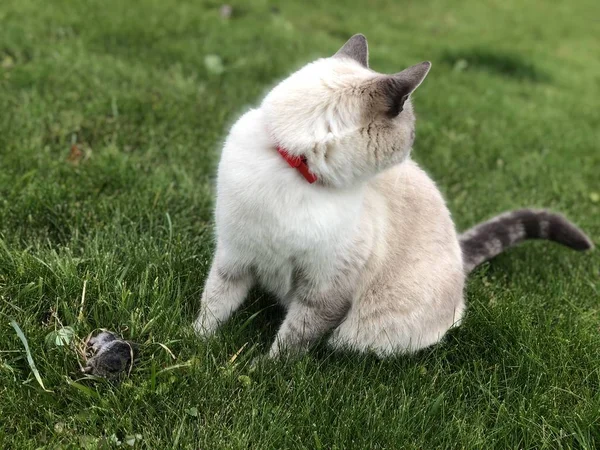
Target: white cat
{"x":320,"y":204}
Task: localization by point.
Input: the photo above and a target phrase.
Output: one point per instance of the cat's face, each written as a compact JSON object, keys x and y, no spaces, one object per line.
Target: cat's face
{"x":349,"y":121}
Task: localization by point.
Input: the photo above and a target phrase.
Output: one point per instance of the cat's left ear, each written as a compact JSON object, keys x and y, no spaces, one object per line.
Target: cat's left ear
{"x":398,"y":87}
{"x":357,"y":49}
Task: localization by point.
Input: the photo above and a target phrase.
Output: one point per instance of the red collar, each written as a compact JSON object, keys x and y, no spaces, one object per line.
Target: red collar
{"x":298,"y":163}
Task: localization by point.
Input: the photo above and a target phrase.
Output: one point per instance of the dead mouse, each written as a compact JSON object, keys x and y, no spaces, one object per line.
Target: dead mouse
{"x":110,"y":355}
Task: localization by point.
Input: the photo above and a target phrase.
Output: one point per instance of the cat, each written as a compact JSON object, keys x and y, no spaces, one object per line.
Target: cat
{"x":319,"y":202}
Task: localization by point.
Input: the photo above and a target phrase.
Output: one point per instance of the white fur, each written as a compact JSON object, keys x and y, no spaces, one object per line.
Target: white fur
{"x":373,"y":234}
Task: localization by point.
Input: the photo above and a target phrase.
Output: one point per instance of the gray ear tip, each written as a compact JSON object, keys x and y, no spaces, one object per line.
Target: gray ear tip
{"x":358,"y":38}
{"x":357,"y":49}
{"x":426,"y":64}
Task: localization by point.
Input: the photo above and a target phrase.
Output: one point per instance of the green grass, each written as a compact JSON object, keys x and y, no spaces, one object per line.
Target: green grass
{"x":508,"y":117}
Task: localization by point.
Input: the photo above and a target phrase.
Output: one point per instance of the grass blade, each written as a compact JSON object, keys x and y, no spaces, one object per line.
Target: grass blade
{"x":36,"y":373}
{"x":86,"y":390}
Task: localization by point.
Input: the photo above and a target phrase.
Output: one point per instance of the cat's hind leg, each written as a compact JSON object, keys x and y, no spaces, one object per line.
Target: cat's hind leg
{"x":404,"y":317}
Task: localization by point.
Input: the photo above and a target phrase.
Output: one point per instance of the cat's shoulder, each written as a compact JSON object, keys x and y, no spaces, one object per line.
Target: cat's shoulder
{"x":246,"y":137}
{"x":408,"y":172}
{"x":409,"y":182}
{"x":248,"y":124}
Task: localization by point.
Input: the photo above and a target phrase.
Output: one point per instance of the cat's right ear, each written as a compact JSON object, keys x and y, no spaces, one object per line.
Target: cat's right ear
{"x":357,"y":49}
{"x":397,"y":88}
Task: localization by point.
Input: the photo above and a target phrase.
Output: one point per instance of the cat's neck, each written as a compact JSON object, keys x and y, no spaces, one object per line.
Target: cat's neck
{"x":251,"y":152}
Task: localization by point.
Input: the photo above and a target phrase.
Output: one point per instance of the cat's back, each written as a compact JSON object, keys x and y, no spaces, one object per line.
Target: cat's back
{"x":420,"y":231}
{"x":415,"y":203}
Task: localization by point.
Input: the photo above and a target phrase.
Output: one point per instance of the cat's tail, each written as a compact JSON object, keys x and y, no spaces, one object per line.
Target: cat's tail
{"x":488,"y":239}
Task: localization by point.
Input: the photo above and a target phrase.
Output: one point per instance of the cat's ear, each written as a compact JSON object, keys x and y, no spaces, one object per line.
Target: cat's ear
{"x":397,"y":88}
{"x":356,"y":48}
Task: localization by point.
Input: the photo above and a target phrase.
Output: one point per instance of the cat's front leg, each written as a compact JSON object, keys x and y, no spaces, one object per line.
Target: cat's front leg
{"x":225,"y":290}
{"x":304,"y":324}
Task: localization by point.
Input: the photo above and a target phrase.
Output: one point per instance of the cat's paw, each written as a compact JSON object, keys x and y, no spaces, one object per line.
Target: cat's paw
{"x":282,"y":351}
{"x":204,"y":328}
{"x":258,"y":362}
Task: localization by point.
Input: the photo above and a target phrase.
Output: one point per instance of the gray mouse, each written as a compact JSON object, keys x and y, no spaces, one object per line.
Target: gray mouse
{"x":111,"y":355}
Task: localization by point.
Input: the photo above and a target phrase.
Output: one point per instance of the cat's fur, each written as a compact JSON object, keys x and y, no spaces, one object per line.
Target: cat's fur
{"x":369,"y":252}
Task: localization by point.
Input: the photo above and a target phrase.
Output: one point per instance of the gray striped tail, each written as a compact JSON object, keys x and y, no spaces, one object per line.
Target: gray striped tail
{"x":488,"y":239}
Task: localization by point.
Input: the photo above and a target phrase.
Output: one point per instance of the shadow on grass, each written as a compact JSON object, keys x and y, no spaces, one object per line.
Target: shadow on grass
{"x":510,"y":65}
{"x":254,"y":328}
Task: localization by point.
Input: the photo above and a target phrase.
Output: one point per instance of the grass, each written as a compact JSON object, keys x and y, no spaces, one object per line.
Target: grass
{"x":507,"y":118}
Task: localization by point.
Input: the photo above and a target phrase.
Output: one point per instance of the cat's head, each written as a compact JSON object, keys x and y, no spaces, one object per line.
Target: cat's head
{"x":349,"y":121}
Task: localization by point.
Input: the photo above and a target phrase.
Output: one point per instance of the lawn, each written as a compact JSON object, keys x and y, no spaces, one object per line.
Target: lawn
{"x":111,"y":118}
